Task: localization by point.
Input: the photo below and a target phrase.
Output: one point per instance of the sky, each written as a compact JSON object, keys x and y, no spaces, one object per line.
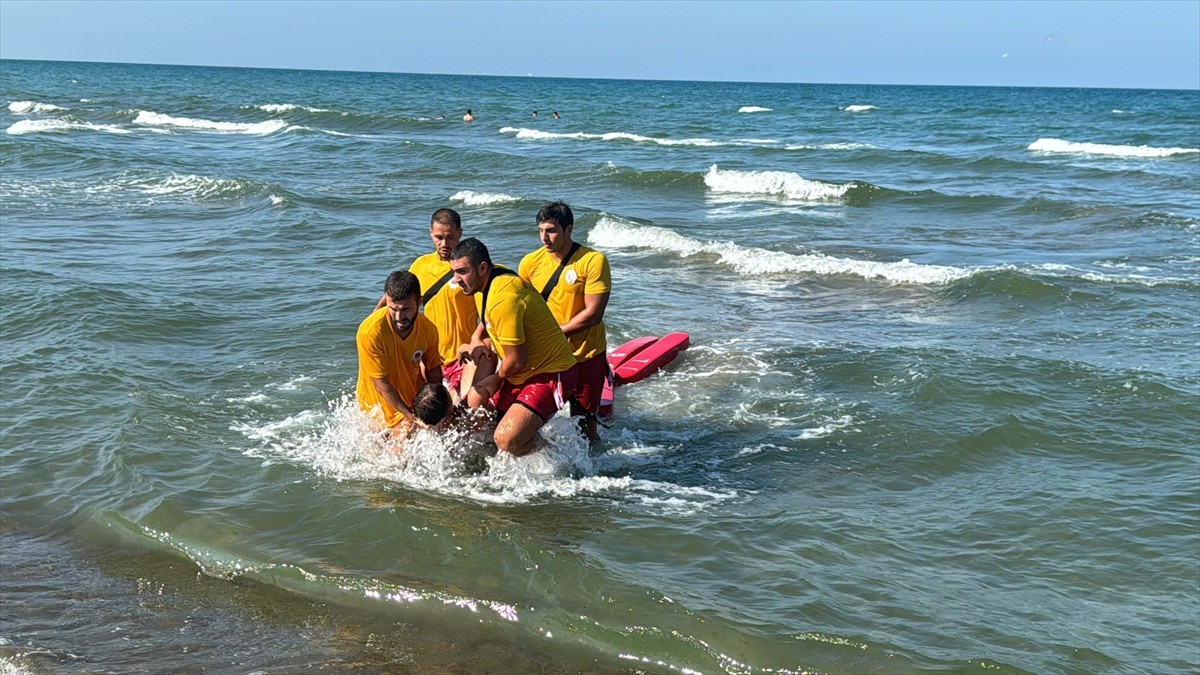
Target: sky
{"x":1081,"y":43}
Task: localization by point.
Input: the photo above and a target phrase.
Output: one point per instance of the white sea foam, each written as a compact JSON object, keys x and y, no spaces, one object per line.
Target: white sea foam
{"x":778,"y":183}
{"x":185,"y":185}
{"x":1061,"y":146}
{"x":287,"y":107}
{"x":1137,"y":275}
{"x":537,"y":134}
{"x":344,"y":444}
{"x":31,"y":107}
{"x":56,"y":125}
{"x":825,"y":429}
{"x":832,"y":146}
{"x":753,"y":109}
{"x":612,"y":233}
{"x":471,"y":198}
{"x":153,"y":119}
{"x":858,"y":108}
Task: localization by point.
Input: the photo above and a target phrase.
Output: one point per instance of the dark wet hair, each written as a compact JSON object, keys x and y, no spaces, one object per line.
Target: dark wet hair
{"x":401,"y":285}
{"x":558,"y":213}
{"x":446,"y":217}
{"x":431,"y":403}
{"x":473,"y":250}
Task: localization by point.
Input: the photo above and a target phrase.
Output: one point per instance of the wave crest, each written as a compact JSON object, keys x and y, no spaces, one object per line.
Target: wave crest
{"x":471,"y":198}
{"x":859,"y":108}
{"x":537,"y":134}
{"x":753,"y":109}
{"x":612,"y":233}
{"x":288,"y":107}
{"x":1069,"y":147}
{"x":153,"y":119}
{"x":58,"y":125}
{"x":32,"y":107}
{"x":780,"y":183}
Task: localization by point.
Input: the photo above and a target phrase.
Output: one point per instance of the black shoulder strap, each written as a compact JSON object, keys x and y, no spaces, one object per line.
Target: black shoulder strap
{"x":558,"y":272}
{"x":437,"y":286}
{"x":496,"y":272}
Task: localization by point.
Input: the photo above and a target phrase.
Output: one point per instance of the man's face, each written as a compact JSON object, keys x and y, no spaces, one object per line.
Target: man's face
{"x":554,"y":238}
{"x":403,"y":314}
{"x":445,"y":238}
{"x":469,"y":279}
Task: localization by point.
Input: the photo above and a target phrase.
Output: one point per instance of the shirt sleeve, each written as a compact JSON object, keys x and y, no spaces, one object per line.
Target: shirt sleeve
{"x":599,"y":276}
{"x":525,"y":269}
{"x":371,"y":354}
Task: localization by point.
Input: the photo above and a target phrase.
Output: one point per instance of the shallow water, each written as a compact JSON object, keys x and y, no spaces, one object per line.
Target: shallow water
{"x":940,"y":412}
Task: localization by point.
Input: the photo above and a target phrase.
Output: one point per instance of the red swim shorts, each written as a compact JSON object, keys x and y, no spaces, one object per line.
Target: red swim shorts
{"x":544,"y":394}
{"x":589,"y":384}
{"x":452,"y":374}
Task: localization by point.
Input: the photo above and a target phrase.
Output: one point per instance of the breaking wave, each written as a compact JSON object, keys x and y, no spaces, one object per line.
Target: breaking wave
{"x":613,"y":233}
{"x":59,"y":125}
{"x":859,"y":108}
{"x":776,"y":183}
{"x":31,"y":107}
{"x":753,"y":109}
{"x":537,"y":134}
{"x":153,"y":119}
{"x":471,"y":198}
{"x":1060,"y":146}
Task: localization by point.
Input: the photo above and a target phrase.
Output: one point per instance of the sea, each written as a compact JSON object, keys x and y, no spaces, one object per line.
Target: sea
{"x":940,"y":412}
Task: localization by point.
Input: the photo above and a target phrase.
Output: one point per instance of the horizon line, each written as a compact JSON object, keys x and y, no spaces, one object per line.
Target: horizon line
{"x":613,"y":79}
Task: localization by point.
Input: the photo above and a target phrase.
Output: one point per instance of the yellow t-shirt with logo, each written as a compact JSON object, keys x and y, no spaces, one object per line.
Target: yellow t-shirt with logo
{"x":517,"y":315}
{"x":382,"y":354}
{"x":586,"y":273}
{"x":451,"y":311}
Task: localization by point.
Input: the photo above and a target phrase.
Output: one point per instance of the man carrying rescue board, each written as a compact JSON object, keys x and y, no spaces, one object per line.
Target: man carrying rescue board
{"x":537,"y":368}
{"x":397,"y":353}
{"x":575,"y":282}
{"x":452,"y":312}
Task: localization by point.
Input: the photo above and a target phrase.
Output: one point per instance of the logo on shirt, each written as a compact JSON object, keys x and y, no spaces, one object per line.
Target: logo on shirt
{"x":570,"y":275}
{"x":418,"y":355}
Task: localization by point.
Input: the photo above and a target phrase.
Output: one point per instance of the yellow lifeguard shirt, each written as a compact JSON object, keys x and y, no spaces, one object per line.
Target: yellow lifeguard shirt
{"x":586,"y":273}
{"x":517,"y":315}
{"x":382,"y":354}
{"x":451,"y":311}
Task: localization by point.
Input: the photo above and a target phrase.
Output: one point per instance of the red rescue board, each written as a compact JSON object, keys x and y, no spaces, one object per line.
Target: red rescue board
{"x":615,"y":359}
{"x":634,"y":348}
{"x":622,"y":353}
{"x":650,"y":359}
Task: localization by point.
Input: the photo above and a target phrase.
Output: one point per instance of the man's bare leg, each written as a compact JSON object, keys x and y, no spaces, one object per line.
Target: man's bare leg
{"x":516,"y":431}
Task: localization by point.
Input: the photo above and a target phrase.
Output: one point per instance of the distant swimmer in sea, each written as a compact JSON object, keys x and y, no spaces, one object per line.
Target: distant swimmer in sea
{"x":468,"y":117}
{"x":452,"y":312}
{"x":575,"y":282}
{"x":397,"y":353}
{"x":535,"y":113}
{"x":555,"y":113}
{"x":537,"y":367}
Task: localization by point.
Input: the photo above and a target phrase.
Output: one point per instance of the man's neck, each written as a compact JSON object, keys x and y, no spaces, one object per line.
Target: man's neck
{"x":559,"y":255}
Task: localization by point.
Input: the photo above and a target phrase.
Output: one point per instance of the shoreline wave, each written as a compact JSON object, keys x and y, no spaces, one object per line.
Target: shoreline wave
{"x":1056,"y":145}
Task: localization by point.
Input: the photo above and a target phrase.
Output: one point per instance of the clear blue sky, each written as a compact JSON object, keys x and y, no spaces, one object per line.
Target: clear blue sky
{"x":1151,"y":44}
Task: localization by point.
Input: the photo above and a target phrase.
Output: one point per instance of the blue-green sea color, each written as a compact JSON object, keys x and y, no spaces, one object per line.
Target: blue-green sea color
{"x":940,"y":413}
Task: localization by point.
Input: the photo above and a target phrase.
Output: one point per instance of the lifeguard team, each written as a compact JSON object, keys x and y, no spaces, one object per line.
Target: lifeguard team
{"x":528,"y":342}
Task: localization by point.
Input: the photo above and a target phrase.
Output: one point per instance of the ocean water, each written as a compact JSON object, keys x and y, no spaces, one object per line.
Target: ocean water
{"x":941,"y":412}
